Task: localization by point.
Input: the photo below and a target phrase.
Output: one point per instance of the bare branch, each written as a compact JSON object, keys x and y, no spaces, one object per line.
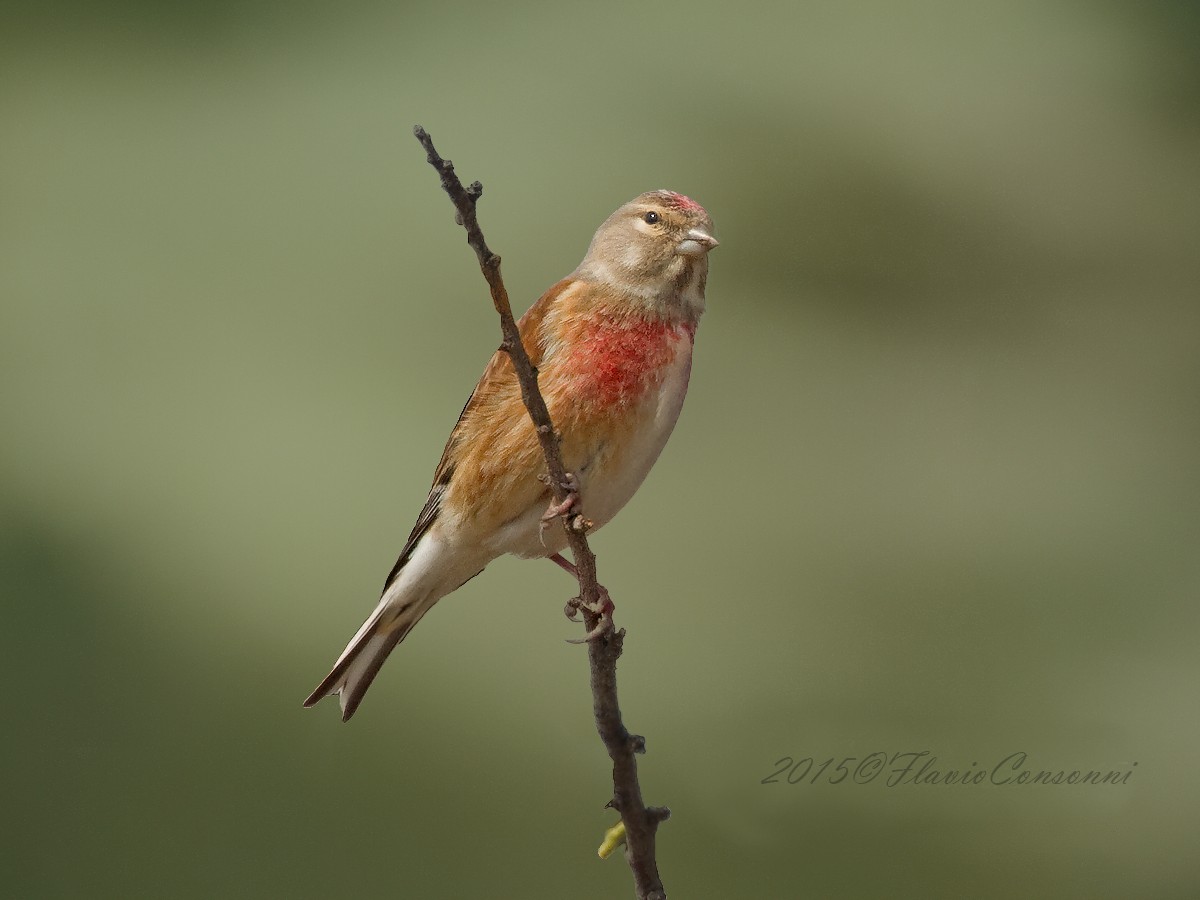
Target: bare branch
{"x":641,"y":823}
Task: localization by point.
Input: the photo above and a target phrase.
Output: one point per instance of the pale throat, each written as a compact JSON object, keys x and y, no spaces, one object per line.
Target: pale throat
{"x":676,"y":294}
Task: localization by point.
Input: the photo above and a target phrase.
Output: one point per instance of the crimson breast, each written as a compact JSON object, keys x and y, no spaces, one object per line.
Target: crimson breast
{"x":615,"y":364}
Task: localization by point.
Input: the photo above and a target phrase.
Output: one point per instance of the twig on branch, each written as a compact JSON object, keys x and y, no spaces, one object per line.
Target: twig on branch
{"x":641,"y":822}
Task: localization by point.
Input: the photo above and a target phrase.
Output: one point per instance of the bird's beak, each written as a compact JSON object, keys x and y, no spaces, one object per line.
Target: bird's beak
{"x":697,"y":243}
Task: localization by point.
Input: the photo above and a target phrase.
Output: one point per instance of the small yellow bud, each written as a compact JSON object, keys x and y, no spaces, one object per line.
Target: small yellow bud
{"x":613,"y":838}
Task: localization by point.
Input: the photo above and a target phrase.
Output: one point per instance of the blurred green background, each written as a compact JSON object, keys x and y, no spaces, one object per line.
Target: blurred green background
{"x":936,"y":486}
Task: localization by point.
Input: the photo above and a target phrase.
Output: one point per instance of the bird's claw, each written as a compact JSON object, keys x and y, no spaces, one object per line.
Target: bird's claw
{"x":570,"y":484}
{"x":602,"y":629}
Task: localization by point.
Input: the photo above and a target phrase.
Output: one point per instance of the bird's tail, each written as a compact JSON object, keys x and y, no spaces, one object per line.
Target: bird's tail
{"x":356,"y":668}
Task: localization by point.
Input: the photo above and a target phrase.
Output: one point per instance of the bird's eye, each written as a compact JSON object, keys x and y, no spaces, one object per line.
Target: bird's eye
{"x":650,"y":218}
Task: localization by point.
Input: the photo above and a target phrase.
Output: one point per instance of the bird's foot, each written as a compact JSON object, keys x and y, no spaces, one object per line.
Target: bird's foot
{"x":602,"y":612}
{"x":554,"y":510}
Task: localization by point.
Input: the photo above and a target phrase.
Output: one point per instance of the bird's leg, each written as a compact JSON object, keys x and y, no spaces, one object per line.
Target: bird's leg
{"x":604,"y":608}
{"x":603,"y":611}
{"x":563,"y":563}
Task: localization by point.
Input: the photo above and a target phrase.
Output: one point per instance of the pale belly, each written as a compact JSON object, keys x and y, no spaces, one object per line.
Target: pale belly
{"x":612,"y":475}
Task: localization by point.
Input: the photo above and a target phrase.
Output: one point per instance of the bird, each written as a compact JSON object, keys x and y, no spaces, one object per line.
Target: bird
{"x":612,"y":344}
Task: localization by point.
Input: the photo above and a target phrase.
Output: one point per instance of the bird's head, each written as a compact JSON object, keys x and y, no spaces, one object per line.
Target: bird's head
{"x":655,"y":247}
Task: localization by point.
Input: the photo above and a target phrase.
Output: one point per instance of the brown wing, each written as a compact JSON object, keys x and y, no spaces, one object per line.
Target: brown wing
{"x":499,"y":369}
